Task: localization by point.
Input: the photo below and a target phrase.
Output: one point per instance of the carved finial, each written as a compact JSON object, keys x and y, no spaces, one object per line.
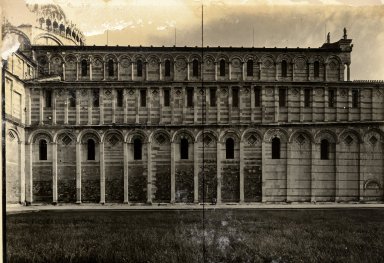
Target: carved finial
{"x":345,"y":33}
{"x":329,"y":38}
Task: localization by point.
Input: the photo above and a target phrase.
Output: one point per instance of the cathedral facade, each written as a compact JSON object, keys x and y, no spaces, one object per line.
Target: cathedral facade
{"x":146,"y":125}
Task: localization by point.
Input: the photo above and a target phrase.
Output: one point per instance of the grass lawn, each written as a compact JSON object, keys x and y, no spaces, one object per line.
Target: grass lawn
{"x":277,"y":236}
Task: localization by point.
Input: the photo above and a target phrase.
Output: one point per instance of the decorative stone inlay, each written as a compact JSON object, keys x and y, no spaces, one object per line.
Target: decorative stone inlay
{"x":373,"y":140}
{"x":246,"y":90}
{"x":348,"y":140}
{"x":57,"y":60}
{"x":236,"y":63}
{"x":11,"y":136}
{"x":66,"y":140}
{"x":252,"y":140}
{"x":224,"y":91}
{"x":153,"y":62}
{"x":124,"y":62}
{"x":113,"y":140}
{"x":201,"y":91}
{"x":379,"y":93}
{"x":155,"y":92}
{"x":207,"y":140}
{"x":108,"y":93}
{"x":209,"y":62}
{"x":295,"y":92}
{"x":177,"y":92}
{"x":160,"y":139}
{"x":84,"y":92}
{"x":181,"y":65}
{"x":333,"y":65}
{"x":268,"y":64}
{"x":97,"y":62}
{"x":300,"y":139}
{"x":131,"y":92}
{"x":269,"y":91}
{"x":42,"y":61}
{"x":343,"y":92}
{"x":319,"y":92}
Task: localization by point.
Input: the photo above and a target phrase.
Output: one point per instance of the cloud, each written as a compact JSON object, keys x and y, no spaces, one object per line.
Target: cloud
{"x":10,"y":45}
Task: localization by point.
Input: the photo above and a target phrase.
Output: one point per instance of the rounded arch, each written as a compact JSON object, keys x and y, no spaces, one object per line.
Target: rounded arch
{"x":325,"y":134}
{"x":333,"y":58}
{"x":16,"y":133}
{"x":236,"y":56}
{"x":137,"y":57}
{"x":49,"y":36}
{"x":266,"y":58}
{"x":83,"y":134}
{"x":368,"y":133}
{"x":194,"y":56}
{"x":250,"y":131}
{"x":158,"y":132}
{"x":275,"y":133}
{"x":227,"y":134}
{"x":314,"y":58}
{"x":153,"y":58}
{"x":70,"y":58}
{"x":17,"y":32}
{"x":209,"y":57}
{"x":54,"y":56}
{"x":300,"y":57}
{"x":298,"y":132}
{"x":134,"y":134}
{"x":110,"y":56}
{"x":57,"y":135}
{"x":183,"y":132}
{"x":165,"y":57}
{"x":220,"y":57}
{"x":282,"y":57}
{"x":181,"y":57}
{"x":251,"y":57}
{"x":205,"y":132}
{"x":122,"y":57}
{"x":32,"y":137}
{"x":110,"y":132}
{"x":372,"y":183}
{"x":348,"y":131}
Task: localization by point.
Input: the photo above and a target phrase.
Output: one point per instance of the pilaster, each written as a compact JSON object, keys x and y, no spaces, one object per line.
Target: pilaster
{"x":102,"y":174}
{"x":78,"y":172}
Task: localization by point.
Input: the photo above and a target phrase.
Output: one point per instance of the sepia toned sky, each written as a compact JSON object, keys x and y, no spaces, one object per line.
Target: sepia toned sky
{"x":269,"y":23}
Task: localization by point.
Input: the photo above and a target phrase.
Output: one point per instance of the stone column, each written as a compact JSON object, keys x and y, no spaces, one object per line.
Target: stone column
{"x":90,"y":106}
{"x":137,"y":92}
{"x":41,"y":108}
{"x":132,"y":71}
{"x":54,"y":93}
{"x":160,"y":71}
{"x":314,"y":157}
{"x":49,"y":66}
{"x":104,"y":71}
{"x":243,"y":71}
{"x":188,"y":73}
{"x":22,"y":172}
{"x":114,"y":97}
{"x":218,"y":165}
{"x":276,"y":72}
{"x":301,"y":98}
{"x":277,"y":109}
{"x":125,"y":105}
{"x":77,"y":107}
{"x":309,"y":71}
{"x":230,"y":70}
{"x":215,"y":70}
{"x":118,"y":70}
{"x":195,"y":90}
{"x":126,"y":196}
{"x":195,"y":173}
{"x":78,"y":173}
{"x":259,"y":70}
{"x":149,"y":173}
{"x":252,"y":92}
{"x":241,"y":172}
{"x":29,"y":115}
{"x":77,"y":70}
{"x":29,"y":172}
{"x":218,"y":104}
{"x":173,"y":175}
{"x":54,"y":173}
{"x":172,"y":106}
{"x":229,"y":104}
{"x":66,"y":105}
{"x":148,"y":102}
{"x":102,"y":174}
{"x":146,"y":70}
{"x":64,"y":71}
{"x":90,"y":69}
{"x":101,"y":105}
{"x":349,"y":104}
{"x":293,"y":71}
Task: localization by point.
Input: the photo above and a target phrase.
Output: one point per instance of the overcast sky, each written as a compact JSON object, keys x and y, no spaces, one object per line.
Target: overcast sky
{"x":280,"y":23}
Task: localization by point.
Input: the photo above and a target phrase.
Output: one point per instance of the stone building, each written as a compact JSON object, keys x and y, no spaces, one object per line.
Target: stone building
{"x":191,"y":125}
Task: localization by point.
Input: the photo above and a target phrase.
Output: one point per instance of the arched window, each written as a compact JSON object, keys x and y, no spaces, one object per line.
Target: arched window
{"x":283,"y":68}
{"x":222,"y":67}
{"x":137,"y":149}
{"x":167,"y":65}
{"x":139,"y":65}
{"x":324,"y":150}
{"x":84,"y":68}
{"x":250,"y":67}
{"x":275,"y":148}
{"x":110,"y":68}
{"x":184,"y":148}
{"x":229,"y":148}
{"x":91,"y":152}
{"x":195,"y":68}
{"x":43,"y":150}
{"x":316,"y":69}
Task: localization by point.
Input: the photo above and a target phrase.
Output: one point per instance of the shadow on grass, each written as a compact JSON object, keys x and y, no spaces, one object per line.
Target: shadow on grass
{"x":178,"y":236}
